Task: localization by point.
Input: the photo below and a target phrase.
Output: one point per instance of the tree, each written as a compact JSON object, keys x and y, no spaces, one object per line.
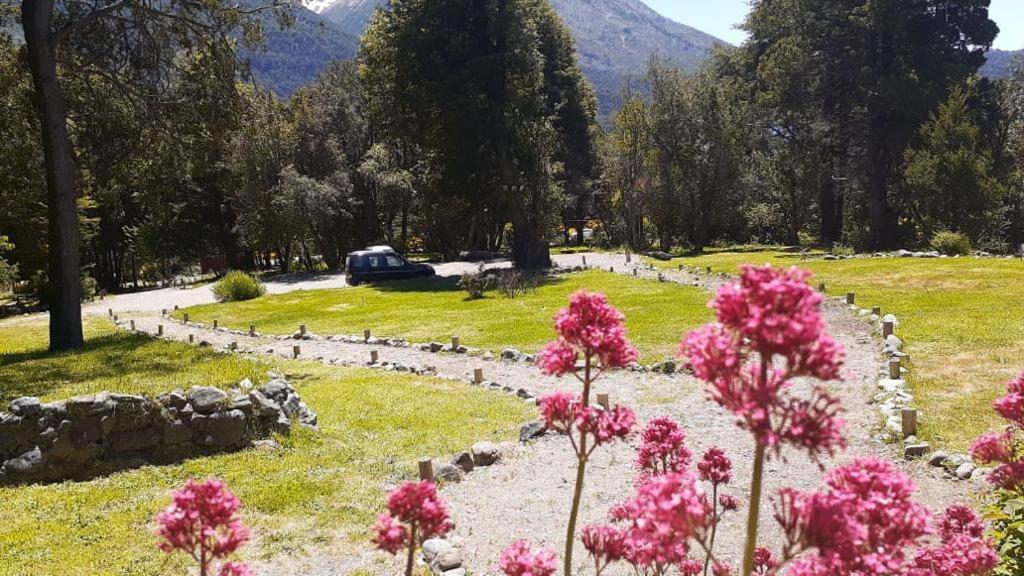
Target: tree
{"x":629,"y":158}
{"x":950,"y":175}
{"x":134,"y":43}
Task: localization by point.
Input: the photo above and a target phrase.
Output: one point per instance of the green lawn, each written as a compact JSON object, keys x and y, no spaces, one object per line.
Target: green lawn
{"x":961,"y":319}
{"x":323,"y":489}
{"x":423,"y":310}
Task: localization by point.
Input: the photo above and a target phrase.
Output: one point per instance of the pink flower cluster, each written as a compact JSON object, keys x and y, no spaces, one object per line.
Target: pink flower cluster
{"x":521,"y":560}
{"x":662,"y":448}
{"x":562,"y":412}
{"x":589,"y":326}
{"x":866,"y":523}
{"x":1003,"y":448}
{"x":770,"y":313}
{"x":715,"y":466}
{"x":415,"y":513}
{"x":202,"y":521}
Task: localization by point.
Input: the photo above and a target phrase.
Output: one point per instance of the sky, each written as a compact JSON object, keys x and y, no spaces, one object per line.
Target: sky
{"x":717,"y":17}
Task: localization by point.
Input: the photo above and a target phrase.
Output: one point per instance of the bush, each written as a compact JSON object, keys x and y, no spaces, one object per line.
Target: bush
{"x":951,"y":243}
{"x":806,"y":239}
{"x":475,"y":284}
{"x":237,"y":286}
{"x":1005,"y":512}
{"x":841,"y":250}
{"x":512,"y":283}
{"x":88,"y":288}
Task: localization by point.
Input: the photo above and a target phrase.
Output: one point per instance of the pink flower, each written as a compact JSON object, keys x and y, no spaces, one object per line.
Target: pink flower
{"x":418,"y":505}
{"x":715,"y":466}
{"x":234,"y":569}
{"x":722,"y":569}
{"x":614,"y":424}
{"x":728,"y":503}
{"x":202,"y":521}
{"x":770,"y":313}
{"x":663,"y":447}
{"x":605,"y":543}
{"x":559,"y":411}
{"x":1008,"y":476}
{"x":764,"y":561}
{"x":519,"y":560}
{"x":961,"y":555}
{"x":691,"y":567}
{"x":960,"y":519}
{"x":1011,"y":406}
{"x":591,"y":327}
{"x":666,"y":511}
{"x":862,"y":524}
{"x":557,"y":358}
{"x":992,"y":447}
{"x":389,"y":534}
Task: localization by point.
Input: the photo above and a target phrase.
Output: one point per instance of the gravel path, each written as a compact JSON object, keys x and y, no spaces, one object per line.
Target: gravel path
{"x":527,"y":495}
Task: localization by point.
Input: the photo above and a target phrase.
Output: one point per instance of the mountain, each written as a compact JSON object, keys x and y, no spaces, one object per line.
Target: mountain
{"x":295,"y":55}
{"x":614,"y":38}
{"x":998,"y":64}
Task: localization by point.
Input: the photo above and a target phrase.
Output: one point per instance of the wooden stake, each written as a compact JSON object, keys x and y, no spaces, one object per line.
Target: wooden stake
{"x":159,"y":329}
{"x":233,"y":345}
{"x":709,"y":269}
{"x":374,"y":356}
{"x":215,"y":324}
{"x":876,"y":310}
{"x":110,"y":312}
{"x":133,"y":325}
{"x":680,"y":267}
{"x":191,"y":338}
{"x":366,"y":335}
{"x":851,"y":298}
{"x":455,"y":341}
{"x":478,"y":375}
{"x":302,"y":329}
{"x":629,"y":257}
{"x":296,"y":351}
{"x":176,"y":308}
{"x":894,"y":368}
{"x":163,"y":312}
{"x":634,"y":272}
{"x":821,"y":287}
{"x":611,"y":268}
{"x":909,"y":422}
{"x":252,"y":330}
{"x":602,"y":399}
{"x":887,"y":328}
{"x":426,"y":469}
{"x":584,"y":261}
{"x":185,"y":317}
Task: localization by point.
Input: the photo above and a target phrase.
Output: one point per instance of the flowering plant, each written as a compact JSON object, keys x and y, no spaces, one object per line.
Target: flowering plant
{"x":202,"y":521}
{"x":415,"y":513}
{"x":589,"y":328}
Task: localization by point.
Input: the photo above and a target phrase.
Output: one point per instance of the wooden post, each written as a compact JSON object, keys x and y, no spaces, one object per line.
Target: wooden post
{"x":374,"y":356}
{"x":163,"y":312}
{"x":110,"y":312}
{"x":611,"y":268}
{"x":133,"y":325}
{"x":680,"y":267}
{"x":366,"y":335}
{"x":661,"y":277}
{"x":876,"y":310}
{"x":185,"y":317}
{"x":426,"y":469}
{"x":851,"y":298}
{"x":302,"y":329}
{"x":584,"y":261}
{"x":191,"y":338}
{"x":635,"y":273}
{"x":176,"y":308}
{"x":159,"y":329}
{"x":215,"y":323}
{"x":821,"y":287}
{"x":478,"y":375}
{"x":233,"y":346}
{"x":894,"y":368}
{"x":296,"y":351}
{"x":887,"y":328}
{"x":909,"y":422}
{"x":629,"y":257}
{"x":708,"y":269}
{"x":602,"y":399}
{"x":455,"y":342}
{"x":252,"y":330}
{"x":115,"y":318}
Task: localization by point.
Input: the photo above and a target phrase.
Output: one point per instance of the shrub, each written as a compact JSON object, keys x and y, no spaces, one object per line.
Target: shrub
{"x":951,"y":243}
{"x":806,"y":239}
{"x":88,"y":288}
{"x":842,"y":250}
{"x":512,"y":283}
{"x":475,"y":284}
{"x":237,"y":286}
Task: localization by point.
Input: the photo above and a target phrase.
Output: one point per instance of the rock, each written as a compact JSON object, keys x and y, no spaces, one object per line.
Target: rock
{"x":269,"y":445}
{"x":487,"y":355}
{"x":485,"y":453}
{"x":980,"y":473}
{"x":224,"y":429}
{"x":245,"y":385}
{"x":464,"y":461}
{"x":434,"y":547}
{"x":891,"y":318}
{"x":205,"y":399}
{"x":436,"y":346}
{"x":277,"y":387}
{"x":937,"y":458}
{"x":663,"y":256}
{"x":448,"y":473}
{"x":26,"y":406}
{"x":510,"y":353}
{"x":455,"y":572}
{"x":176,"y":432}
{"x":912,"y":451}
{"x":964,"y":471}
{"x":894,"y":341}
{"x":904,"y":253}
{"x":448,"y":560}
{"x":531,"y":430}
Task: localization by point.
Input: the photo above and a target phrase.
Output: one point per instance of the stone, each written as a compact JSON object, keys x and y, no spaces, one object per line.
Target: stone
{"x":176,"y":399}
{"x":964,"y":471}
{"x":912,"y":451}
{"x":176,"y":432}
{"x":224,"y":429}
{"x":205,"y":399}
{"x":531,"y":430}
{"x":434,"y":547}
{"x":262,"y":405}
{"x":937,"y":458}
{"x":275,"y":388}
{"x":894,"y":341}
{"x":509,"y":353}
{"x":455,"y":572}
{"x":448,"y":560}
{"x":448,"y":472}
{"x":436,"y":347}
{"x":245,"y":385}
{"x":26,"y":406}
{"x":891,"y":318}
{"x":487,"y":355}
{"x":485,"y":453}
{"x":464,"y":460}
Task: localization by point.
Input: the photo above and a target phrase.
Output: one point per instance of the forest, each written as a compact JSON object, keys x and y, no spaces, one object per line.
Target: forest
{"x":839,"y":124}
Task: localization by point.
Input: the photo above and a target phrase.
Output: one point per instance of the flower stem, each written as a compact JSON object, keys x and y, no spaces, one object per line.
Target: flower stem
{"x":412,"y":551}
{"x":714,"y":527}
{"x":581,"y":469}
{"x":753,"y":514}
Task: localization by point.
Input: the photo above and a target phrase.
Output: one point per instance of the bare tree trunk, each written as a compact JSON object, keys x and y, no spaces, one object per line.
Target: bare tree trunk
{"x":65,"y":284}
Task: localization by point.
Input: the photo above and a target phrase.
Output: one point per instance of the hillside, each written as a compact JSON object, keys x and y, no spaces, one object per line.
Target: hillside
{"x":614,"y":38}
{"x":998,"y":64}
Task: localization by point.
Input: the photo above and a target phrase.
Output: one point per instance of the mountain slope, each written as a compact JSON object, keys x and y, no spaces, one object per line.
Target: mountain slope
{"x":998,"y":64}
{"x":614,"y":38}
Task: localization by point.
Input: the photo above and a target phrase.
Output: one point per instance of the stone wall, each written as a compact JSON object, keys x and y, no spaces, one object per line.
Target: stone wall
{"x":88,"y":436}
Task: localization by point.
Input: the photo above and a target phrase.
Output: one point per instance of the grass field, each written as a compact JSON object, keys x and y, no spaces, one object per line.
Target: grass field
{"x":423,"y":310}
{"x":323,"y":489}
{"x":961,"y":319}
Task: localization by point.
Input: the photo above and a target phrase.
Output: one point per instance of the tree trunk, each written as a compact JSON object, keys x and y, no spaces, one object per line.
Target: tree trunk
{"x":529,"y":250}
{"x":65,"y":284}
